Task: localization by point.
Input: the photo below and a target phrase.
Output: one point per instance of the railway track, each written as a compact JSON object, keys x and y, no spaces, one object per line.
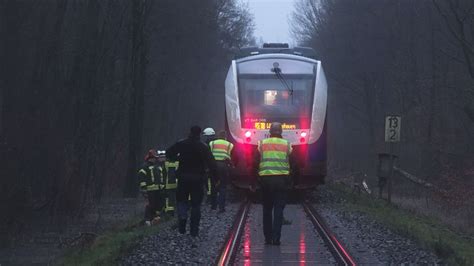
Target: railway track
{"x":305,"y":240}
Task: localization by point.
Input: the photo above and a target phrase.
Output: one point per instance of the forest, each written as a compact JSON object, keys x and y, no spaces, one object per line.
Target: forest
{"x":88,"y":86}
{"x":410,"y":58}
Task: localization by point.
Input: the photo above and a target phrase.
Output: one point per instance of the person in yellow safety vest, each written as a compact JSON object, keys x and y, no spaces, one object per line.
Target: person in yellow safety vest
{"x":209,"y":135}
{"x":222,"y":151}
{"x":272,"y":161}
{"x":151,"y":184}
{"x":171,"y":184}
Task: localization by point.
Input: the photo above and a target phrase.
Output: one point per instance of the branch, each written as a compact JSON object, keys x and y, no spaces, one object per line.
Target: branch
{"x":467,"y":48}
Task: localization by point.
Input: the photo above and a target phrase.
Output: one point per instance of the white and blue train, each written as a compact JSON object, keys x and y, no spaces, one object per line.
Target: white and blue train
{"x":276,"y":83}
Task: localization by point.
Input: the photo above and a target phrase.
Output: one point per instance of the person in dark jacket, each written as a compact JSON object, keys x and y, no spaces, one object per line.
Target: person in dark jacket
{"x":150,"y":176}
{"x":194,"y":158}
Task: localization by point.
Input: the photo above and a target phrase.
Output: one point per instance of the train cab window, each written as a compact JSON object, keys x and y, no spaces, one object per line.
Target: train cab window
{"x":270,"y":97}
{"x":267,"y":97}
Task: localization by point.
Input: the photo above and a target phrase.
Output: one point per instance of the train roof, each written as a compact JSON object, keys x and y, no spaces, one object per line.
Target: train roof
{"x":276,"y":48}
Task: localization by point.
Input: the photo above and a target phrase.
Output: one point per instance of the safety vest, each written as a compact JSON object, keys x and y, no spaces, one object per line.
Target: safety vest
{"x":171,"y":178}
{"x":274,"y":157}
{"x":153,"y":177}
{"x":221,"y":149}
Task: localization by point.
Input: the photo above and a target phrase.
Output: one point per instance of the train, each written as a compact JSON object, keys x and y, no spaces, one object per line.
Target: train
{"x":276,"y":83}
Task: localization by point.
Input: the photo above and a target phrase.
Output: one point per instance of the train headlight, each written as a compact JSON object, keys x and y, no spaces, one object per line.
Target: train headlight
{"x":248,"y":134}
{"x":303,"y":137}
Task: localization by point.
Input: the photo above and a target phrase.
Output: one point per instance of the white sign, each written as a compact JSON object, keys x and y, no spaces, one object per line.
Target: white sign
{"x":392,"y":128}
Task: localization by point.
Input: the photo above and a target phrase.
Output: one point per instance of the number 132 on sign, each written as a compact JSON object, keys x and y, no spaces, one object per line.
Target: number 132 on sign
{"x":392,"y":128}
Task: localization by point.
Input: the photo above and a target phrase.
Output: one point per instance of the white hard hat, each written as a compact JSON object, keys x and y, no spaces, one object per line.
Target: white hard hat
{"x":208,"y":131}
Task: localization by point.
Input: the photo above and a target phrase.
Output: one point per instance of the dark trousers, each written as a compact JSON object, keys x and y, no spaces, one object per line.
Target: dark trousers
{"x":223,"y":179}
{"x":190,"y":186}
{"x":212,"y":193}
{"x":275,"y":189}
{"x":155,"y":204}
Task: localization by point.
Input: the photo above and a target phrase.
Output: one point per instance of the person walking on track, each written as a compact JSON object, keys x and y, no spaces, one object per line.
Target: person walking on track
{"x":210,"y":135}
{"x":273,"y":165}
{"x":222,"y":150}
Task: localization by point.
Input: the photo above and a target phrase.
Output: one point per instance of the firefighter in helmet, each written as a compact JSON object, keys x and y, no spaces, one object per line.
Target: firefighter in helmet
{"x":151,"y":184}
{"x":211,"y":198}
{"x":222,"y":150}
{"x":170,"y":182}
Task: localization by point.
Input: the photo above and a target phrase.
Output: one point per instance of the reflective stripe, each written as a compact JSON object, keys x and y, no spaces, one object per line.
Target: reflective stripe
{"x":167,"y":206}
{"x":274,"y":147}
{"x":142,"y":184}
{"x":209,"y":186}
{"x":142,"y":171}
{"x":153,"y":187}
{"x":171,"y":165}
{"x":152,"y":174}
{"x":274,"y":158}
{"x":219,"y":146}
{"x":171,"y":186}
{"x":171,"y":178}
{"x":276,"y":168}
{"x":217,"y":151}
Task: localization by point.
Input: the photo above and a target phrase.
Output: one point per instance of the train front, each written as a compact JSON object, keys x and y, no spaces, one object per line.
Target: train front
{"x":286,"y":88}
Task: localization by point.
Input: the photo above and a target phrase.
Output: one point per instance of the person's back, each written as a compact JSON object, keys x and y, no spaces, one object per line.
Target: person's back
{"x":273,"y":166}
{"x":209,"y":135}
{"x":222,"y":151}
{"x":194,"y":157}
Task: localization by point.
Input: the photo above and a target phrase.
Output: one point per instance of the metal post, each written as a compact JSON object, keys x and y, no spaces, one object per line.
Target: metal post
{"x":392,"y":162}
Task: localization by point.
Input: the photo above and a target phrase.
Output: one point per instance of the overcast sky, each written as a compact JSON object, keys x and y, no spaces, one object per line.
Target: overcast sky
{"x":271,"y":19}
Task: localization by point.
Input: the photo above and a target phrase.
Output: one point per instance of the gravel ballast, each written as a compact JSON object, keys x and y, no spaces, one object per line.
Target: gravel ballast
{"x":368,"y":241}
{"x":170,"y":247}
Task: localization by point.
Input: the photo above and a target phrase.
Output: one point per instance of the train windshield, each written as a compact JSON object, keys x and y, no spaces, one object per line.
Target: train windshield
{"x":265,"y":98}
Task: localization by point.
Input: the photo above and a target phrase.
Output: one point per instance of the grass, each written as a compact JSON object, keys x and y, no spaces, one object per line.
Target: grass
{"x":428,"y":232}
{"x":107,"y":248}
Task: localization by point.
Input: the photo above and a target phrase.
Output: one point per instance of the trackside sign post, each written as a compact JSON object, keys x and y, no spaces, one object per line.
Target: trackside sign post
{"x":393,"y":125}
{"x":392,"y":128}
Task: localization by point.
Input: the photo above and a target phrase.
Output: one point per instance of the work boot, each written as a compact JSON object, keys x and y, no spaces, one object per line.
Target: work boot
{"x":182,"y":226}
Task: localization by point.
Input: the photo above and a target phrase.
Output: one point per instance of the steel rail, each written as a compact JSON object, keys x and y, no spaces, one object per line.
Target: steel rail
{"x":231,"y":245}
{"x":341,"y":255}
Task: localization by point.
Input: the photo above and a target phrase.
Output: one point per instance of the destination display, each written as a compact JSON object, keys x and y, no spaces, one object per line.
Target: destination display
{"x":263,"y":124}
